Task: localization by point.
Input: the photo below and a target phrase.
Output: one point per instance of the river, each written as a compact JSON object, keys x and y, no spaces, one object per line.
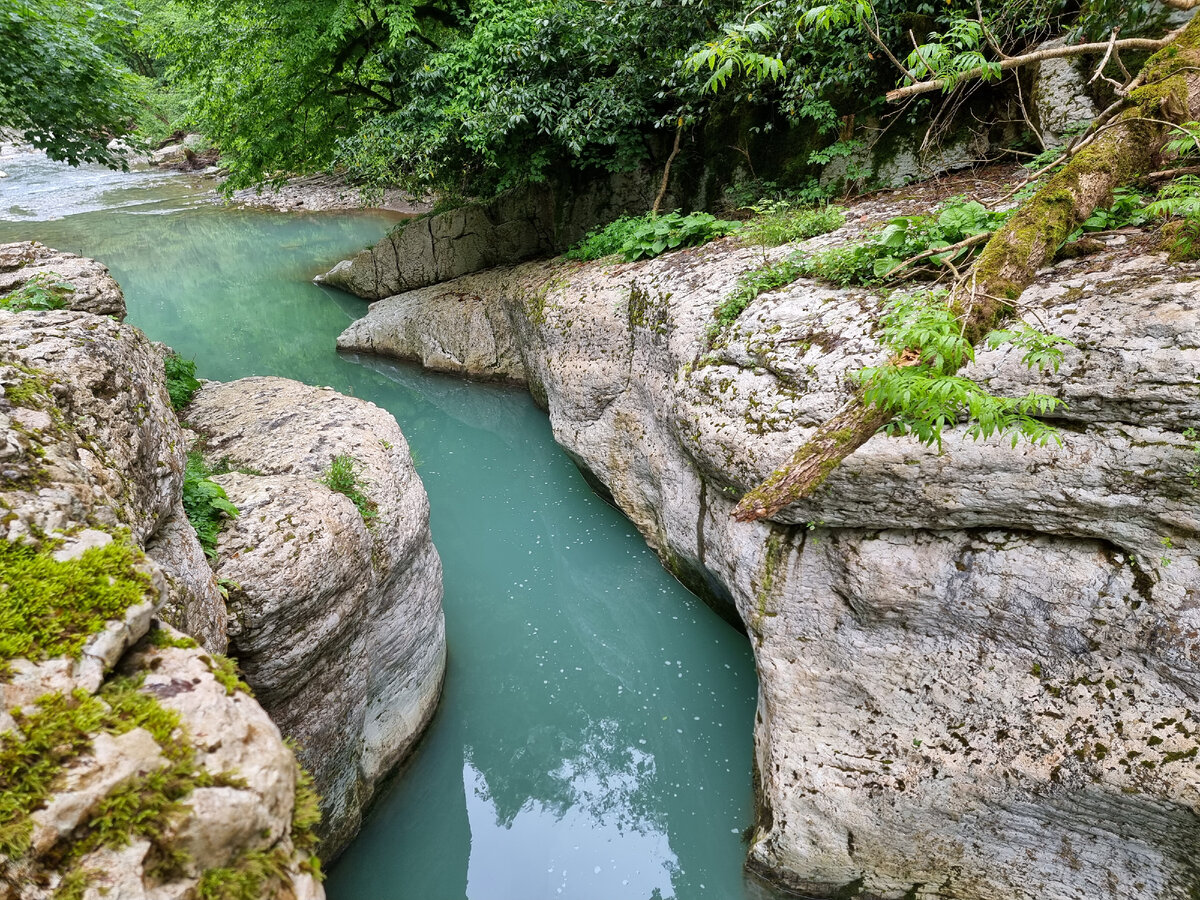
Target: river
{"x":594,"y":739}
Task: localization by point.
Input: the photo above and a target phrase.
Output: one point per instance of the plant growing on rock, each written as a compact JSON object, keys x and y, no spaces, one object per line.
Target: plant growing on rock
{"x":205,"y":503}
{"x":344,"y":477}
{"x":44,"y":290}
{"x":781,"y":222}
{"x":182,"y":383}
{"x":651,"y":235}
{"x":925,"y":245}
{"x":1122,"y":144}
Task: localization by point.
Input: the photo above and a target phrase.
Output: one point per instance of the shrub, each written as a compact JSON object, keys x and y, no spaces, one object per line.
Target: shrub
{"x":904,"y":237}
{"x":181,"y":380}
{"x":651,"y":235}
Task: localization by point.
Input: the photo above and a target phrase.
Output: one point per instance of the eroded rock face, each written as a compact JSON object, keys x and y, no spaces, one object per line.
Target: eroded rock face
{"x":979,"y":672}
{"x":93,"y":289}
{"x":516,"y":226}
{"x":154,"y":773}
{"x":335,"y":620}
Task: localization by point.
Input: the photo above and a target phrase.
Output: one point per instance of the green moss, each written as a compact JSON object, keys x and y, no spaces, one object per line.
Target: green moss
{"x":73,"y":885}
{"x":31,"y":390}
{"x":51,"y":608}
{"x":248,"y":879}
{"x":162,"y":638}
{"x":225,"y":671}
{"x":306,"y":814}
{"x":143,"y":807}
{"x":57,"y":730}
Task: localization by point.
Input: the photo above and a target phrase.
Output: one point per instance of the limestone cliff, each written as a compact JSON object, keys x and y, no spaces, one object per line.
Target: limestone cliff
{"x":979,"y":669}
{"x":132,"y":761}
{"x":335,"y":613}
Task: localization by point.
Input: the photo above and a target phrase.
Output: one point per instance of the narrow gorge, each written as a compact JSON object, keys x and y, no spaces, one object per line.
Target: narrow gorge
{"x":977,"y":665}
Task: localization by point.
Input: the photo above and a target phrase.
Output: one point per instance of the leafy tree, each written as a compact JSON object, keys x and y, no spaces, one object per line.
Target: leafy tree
{"x":455,"y":96}
{"x":61,"y":85}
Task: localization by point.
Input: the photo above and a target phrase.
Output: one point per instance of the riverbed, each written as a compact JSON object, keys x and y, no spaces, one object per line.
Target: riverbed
{"x":594,"y":739}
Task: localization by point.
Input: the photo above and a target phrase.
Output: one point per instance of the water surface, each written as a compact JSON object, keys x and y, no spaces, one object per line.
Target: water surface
{"x":594,"y":739}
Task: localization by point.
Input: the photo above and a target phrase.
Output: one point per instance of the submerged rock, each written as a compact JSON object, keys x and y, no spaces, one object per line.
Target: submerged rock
{"x":979,"y":671}
{"x":335,"y":613}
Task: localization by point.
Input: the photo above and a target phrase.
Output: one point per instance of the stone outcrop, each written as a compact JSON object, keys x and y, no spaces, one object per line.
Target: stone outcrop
{"x":131,"y":762}
{"x":519,"y":225}
{"x":92,"y":289}
{"x":335,"y":617}
{"x":1060,"y":96}
{"x":979,"y":669}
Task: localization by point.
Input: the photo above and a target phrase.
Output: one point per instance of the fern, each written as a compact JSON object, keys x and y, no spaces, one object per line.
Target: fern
{"x":205,"y":503}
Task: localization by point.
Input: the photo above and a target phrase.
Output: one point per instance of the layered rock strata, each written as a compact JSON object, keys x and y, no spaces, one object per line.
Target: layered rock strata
{"x":979,"y":669}
{"x":335,"y":611}
{"x":519,"y":225}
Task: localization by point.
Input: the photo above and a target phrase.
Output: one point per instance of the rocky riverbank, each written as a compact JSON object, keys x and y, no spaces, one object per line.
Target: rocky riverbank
{"x":133,"y":756}
{"x":978,"y":670}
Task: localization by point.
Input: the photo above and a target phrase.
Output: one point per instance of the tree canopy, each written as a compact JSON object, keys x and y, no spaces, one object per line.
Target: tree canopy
{"x":64,"y":86}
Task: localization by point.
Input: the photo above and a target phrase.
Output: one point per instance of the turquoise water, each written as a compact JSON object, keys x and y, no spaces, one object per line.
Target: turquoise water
{"x":594,"y":740}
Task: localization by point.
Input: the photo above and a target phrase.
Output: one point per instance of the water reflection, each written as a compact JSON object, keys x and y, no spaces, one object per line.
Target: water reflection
{"x":596,"y":848}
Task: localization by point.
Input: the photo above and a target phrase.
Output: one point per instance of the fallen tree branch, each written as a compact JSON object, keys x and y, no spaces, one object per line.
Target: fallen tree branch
{"x":1014,"y":62}
{"x":966,"y":242}
{"x":1010,"y":260}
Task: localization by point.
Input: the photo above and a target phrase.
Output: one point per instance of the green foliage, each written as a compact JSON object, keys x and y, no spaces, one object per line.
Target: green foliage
{"x":31,"y":757}
{"x":903,"y":238}
{"x":462,"y":98}
{"x":225,"y":671}
{"x":1194,"y":472}
{"x":162,"y":638}
{"x":606,"y":241}
{"x":50,"y":608}
{"x":1127,"y":208}
{"x":63,"y":85}
{"x":44,"y":290}
{"x":1179,"y":203}
{"x":781,"y":222}
{"x":343,"y":476}
{"x":205,"y":503}
{"x":926,"y":336}
{"x":59,"y":729}
{"x":651,"y":235}
{"x":306,"y":814}
{"x":181,"y":380}
{"x":750,"y":285}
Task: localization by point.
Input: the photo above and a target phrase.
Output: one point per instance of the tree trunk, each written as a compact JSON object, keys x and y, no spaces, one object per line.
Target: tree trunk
{"x":1010,"y":260}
